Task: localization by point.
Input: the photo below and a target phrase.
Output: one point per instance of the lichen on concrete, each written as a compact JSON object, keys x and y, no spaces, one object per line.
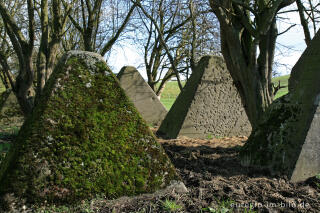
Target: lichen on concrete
{"x":81,"y":141}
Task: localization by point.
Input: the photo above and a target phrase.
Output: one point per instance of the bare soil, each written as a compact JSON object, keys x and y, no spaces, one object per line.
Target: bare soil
{"x":214,"y":177}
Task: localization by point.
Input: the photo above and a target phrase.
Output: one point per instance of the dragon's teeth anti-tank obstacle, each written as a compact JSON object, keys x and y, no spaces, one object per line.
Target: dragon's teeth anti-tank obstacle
{"x":142,"y":96}
{"x":288,"y":140}
{"x":209,"y":105}
{"x":83,"y":138}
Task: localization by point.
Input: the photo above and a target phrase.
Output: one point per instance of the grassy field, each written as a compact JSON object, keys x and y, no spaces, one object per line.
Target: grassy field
{"x":171,"y":91}
{"x":283,"y":82}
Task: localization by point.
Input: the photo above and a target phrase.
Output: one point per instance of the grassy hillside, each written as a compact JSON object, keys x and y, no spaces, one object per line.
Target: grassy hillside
{"x":283,"y":82}
{"x":171,"y":91}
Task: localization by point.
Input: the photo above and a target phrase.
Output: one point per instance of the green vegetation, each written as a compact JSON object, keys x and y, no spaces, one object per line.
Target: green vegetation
{"x":170,"y":93}
{"x":318,"y":180}
{"x":2,"y":88}
{"x":100,"y":143}
{"x":225,"y":206}
{"x":171,"y":90}
{"x":209,"y":136}
{"x":171,"y":206}
{"x":283,"y":82}
{"x":4,"y":147}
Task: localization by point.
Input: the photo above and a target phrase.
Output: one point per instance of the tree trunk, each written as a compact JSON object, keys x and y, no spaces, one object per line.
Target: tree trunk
{"x":242,"y":35}
{"x":304,"y":22}
{"x":43,"y":49}
{"x":23,"y":84}
{"x":160,"y":90}
{"x":251,"y":77}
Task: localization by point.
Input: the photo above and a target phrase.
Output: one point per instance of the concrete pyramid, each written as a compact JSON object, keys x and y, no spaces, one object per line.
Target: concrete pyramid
{"x":10,"y":112}
{"x":288,"y":140}
{"x":142,"y":96}
{"x":209,"y":105}
{"x":83,"y":138}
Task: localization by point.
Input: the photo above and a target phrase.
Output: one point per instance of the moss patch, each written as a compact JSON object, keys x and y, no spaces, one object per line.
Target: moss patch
{"x":85,"y":138}
{"x":270,"y":146}
{"x":286,"y":136}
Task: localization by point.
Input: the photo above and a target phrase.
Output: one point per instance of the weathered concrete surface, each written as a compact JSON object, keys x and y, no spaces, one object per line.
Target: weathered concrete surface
{"x":288,"y":139}
{"x":84,"y":138}
{"x":142,"y":96}
{"x":208,"y":106}
{"x":308,"y":163}
{"x":11,"y":115}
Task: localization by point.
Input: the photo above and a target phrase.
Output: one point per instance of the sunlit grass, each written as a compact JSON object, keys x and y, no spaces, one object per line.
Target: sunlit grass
{"x":283,"y":82}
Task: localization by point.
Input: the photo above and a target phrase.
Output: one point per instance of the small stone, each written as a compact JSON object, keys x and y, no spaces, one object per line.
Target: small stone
{"x":178,"y":187}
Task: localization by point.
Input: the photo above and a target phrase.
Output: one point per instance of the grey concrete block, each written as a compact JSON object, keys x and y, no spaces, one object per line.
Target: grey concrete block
{"x":208,"y":106}
{"x":305,"y":88}
{"x":142,"y":96}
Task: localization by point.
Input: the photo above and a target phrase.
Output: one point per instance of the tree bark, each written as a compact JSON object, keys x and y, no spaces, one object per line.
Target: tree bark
{"x":43,"y":49}
{"x":304,"y":22}
{"x":250,"y":69}
{"x":24,"y":51}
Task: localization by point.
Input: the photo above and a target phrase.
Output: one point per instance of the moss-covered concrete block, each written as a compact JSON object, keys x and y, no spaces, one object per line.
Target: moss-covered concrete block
{"x":208,"y":106}
{"x":84,"y":138}
{"x":288,"y":138}
{"x":142,"y":96}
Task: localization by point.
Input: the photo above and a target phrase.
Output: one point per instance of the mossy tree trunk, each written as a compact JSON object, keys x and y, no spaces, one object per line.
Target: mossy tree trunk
{"x":248,"y":47}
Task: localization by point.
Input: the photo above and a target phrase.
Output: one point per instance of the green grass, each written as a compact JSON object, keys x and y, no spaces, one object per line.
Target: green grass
{"x":171,"y":90}
{"x":283,"y":82}
{"x":223,"y":206}
{"x":226,"y":206}
{"x":170,"y":93}
{"x":171,"y":206}
{"x":4,"y":147}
